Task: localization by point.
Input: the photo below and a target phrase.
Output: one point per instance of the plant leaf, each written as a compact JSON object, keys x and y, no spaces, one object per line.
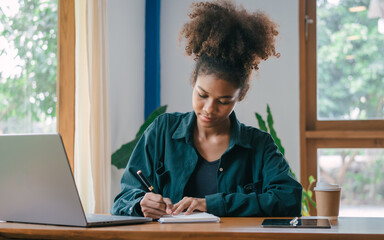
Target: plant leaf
{"x":309,"y":193}
{"x":304,"y":205}
{"x":121,"y":157}
{"x":261,"y":122}
{"x":304,"y":212}
{"x":273,"y":132}
{"x":311,"y":179}
{"x":158,"y":111}
{"x":305,"y":195}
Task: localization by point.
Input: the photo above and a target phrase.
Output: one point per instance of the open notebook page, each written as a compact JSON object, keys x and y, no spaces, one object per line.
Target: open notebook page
{"x":193,"y":217}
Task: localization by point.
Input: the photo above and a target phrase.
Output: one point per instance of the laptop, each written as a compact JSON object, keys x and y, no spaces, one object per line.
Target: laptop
{"x":37,"y":185}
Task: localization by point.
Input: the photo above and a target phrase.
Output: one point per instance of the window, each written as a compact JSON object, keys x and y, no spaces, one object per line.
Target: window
{"x":65,"y":96}
{"x":360,"y":172}
{"x":350,"y":72}
{"x":341,"y":99}
{"x":28,"y":61}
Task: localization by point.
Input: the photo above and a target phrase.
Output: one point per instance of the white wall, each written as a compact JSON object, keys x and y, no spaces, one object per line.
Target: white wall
{"x":126,"y":35}
{"x":276,"y":82}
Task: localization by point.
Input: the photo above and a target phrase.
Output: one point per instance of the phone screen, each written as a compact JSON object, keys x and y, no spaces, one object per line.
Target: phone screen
{"x":301,"y":223}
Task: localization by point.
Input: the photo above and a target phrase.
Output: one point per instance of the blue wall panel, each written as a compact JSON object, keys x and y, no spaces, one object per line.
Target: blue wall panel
{"x":152,"y":56}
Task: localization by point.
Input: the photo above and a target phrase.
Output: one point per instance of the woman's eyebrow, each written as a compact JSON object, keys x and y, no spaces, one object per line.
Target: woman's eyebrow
{"x":202,"y":89}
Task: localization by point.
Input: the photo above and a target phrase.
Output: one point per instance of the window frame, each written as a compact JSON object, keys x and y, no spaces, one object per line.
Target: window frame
{"x":315,"y":134}
{"x":66,"y":76}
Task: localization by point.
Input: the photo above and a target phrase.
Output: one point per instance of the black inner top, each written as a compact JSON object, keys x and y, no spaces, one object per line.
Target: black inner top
{"x":203,"y":180}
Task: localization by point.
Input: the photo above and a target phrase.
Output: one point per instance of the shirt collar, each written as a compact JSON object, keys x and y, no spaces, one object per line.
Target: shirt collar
{"x":185,"y":128}
{"x":239,"y":134}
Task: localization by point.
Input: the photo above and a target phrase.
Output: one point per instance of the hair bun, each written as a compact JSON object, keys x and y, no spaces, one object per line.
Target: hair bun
{"x":220,"y":30}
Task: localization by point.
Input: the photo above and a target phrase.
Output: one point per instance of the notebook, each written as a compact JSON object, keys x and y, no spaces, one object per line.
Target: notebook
{"x":37,"y":185}
{"x":191,"y":218}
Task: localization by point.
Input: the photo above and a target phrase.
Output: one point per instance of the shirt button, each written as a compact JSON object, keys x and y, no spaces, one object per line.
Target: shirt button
{"x":221,"y":169}
{"x":130,"y":209}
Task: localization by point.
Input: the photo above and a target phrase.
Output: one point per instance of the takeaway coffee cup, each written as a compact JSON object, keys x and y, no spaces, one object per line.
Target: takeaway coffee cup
{"x":327,"y":200}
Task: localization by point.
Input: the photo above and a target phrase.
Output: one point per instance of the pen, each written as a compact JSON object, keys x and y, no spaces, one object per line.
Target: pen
{"x":145,"y":181}
{"x":294,"y":221}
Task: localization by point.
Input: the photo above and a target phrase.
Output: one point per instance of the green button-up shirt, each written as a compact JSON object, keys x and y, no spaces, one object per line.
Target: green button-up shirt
{"x":253,"y":178}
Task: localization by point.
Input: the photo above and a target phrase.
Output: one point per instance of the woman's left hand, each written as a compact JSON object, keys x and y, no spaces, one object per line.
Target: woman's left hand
{"x":189,"y":204}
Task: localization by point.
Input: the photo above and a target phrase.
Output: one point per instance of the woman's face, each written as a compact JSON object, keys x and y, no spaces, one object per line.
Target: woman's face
{"x":213,"y":100}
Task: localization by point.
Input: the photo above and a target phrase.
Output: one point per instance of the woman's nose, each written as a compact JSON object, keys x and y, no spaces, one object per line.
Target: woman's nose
{"x":209,"y":106}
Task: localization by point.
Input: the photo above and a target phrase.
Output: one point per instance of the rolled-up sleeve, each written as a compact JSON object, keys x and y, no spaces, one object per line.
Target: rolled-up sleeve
{"x":127,"y":202}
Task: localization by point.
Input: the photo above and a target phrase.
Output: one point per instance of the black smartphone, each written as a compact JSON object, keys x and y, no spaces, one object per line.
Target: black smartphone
{"x":301,"y":223}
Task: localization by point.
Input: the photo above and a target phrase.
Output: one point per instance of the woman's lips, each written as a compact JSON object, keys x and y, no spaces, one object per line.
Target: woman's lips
{"x":206,"y":119}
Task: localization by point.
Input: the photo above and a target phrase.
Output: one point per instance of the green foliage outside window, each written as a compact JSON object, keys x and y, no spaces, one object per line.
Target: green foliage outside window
{"x":350,"y":62}
{"x":28,"y":49}
{"x":359,"y":171}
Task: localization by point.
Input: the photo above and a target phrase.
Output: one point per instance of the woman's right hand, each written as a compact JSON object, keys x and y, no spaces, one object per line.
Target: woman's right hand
{"x":155,"y":206}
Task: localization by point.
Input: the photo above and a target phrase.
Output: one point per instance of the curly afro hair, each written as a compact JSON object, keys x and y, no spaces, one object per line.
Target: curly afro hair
{"x":227,"y":41}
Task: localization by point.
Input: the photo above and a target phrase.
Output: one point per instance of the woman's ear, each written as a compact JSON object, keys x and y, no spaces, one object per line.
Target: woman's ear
{"x":243,"y":92}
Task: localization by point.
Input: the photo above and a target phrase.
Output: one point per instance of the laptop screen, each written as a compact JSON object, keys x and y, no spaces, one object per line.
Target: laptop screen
{"x":36,"y":182}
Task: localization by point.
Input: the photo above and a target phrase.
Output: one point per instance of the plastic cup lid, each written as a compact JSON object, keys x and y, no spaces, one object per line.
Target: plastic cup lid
{"x":323,"y":186}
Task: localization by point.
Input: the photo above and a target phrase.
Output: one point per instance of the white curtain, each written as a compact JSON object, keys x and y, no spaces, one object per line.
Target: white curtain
{"x":376,"y":9}
{"x":92,"y":131}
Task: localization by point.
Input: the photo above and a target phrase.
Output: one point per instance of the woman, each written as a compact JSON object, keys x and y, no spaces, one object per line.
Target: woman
{"x":206,"y":160}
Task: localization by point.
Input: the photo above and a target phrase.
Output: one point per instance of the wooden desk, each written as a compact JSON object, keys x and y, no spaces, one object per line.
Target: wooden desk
{"x":229,"y":228}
